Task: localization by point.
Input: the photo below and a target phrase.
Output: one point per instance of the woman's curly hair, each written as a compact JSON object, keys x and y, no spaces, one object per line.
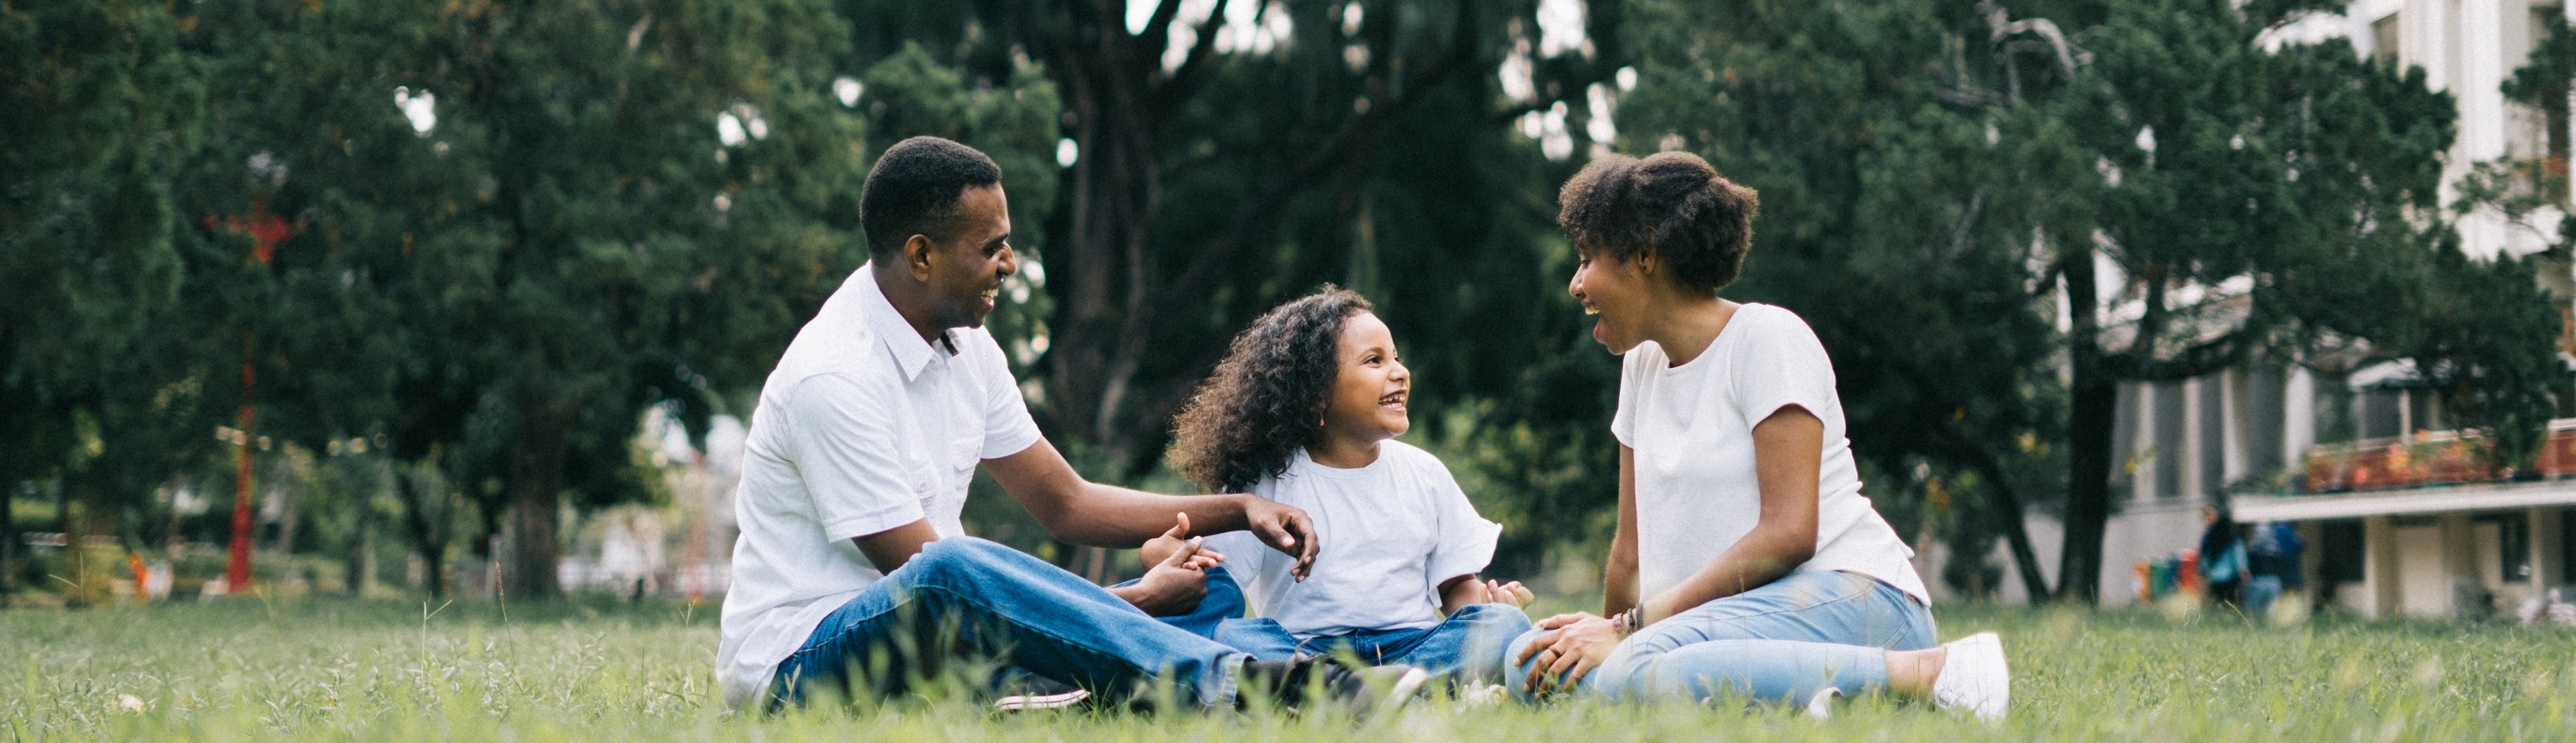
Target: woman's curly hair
{"x":1670,"y":204}
{"x":1267,"y":397}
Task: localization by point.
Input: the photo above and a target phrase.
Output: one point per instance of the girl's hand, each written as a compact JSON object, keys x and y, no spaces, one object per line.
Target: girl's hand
{"x":1571,"y":647}
{"x":1155,"y":550}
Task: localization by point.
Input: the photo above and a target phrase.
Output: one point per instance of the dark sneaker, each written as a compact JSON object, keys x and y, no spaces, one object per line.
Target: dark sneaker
{"x":1313,"y":682}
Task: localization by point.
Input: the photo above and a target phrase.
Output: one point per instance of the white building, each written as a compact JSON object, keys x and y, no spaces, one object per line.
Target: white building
{"x":2396,"y":523}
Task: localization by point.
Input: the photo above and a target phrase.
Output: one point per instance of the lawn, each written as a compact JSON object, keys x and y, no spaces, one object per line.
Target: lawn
{"x":337,"y":670}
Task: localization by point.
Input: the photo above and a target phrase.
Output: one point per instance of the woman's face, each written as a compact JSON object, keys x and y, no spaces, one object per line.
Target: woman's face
{"x":1615,"y":293}
{"x":1370,"y":387}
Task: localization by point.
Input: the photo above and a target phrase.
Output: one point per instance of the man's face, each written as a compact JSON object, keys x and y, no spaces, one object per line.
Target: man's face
{"x":967,"y":268}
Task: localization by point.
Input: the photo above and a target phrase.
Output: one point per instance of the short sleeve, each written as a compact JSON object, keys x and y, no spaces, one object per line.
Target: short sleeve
{"x":1781,"y":364}
{"x":1623,"y":419}
{"x":1008,"y":429}
{"x":847,"y":454}
{"x":1465,"y":542}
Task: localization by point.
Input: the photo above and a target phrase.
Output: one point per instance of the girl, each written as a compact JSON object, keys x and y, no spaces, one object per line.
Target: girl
{"x":1301,"y":412}
{"x":1746,"y":562}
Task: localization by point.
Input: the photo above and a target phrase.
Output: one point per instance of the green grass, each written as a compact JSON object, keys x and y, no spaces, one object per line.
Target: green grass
{"x":325,"y":669}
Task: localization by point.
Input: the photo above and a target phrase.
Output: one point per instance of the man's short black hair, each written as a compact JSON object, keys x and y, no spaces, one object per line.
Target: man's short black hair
{"x":1671,"y":205}
{"x":914,"y":190}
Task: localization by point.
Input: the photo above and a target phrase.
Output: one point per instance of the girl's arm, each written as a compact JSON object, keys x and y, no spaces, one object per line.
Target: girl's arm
{"x":1788,"y":448}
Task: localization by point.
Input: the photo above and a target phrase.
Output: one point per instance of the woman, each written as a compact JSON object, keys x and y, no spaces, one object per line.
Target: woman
{"x":1746,"y":560}
{"x":2222,"y":557}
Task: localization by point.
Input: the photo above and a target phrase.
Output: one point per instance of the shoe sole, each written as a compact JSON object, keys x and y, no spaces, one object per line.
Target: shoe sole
{"x":1403,"y":691}
{"x":1021,"y":702}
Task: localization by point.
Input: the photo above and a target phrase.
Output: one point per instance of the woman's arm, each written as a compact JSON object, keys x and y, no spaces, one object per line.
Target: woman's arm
{"x":1788,"y":449}
{"x":1619,"y":576}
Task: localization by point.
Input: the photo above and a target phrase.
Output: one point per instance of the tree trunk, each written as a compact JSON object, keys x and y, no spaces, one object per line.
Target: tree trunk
{"x":362,"y":556}
{"x":427,"y":531}
{"x":536,"y":495}
{"x":2009,"y":514}
{"x":9,"y":539}
{"x":1102,"y":268}
{"x":86,"y":514}
{"x":2095,"y":398}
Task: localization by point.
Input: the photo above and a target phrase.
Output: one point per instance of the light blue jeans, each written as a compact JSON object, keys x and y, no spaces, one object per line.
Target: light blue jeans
{"x":1781,"y":642}
{"x":964,"y":598}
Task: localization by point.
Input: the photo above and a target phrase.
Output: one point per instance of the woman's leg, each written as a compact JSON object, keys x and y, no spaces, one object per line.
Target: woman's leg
{"x":1780,"y":642}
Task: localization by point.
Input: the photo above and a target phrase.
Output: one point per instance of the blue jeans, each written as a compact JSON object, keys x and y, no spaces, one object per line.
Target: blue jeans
{"x":967,"y":598}
{"x":1465,"y":648}
{"x":2260,"y":592}
{"x":1781,"y":642}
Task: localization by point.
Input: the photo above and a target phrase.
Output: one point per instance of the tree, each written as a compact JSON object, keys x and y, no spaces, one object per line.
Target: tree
{"x":529,"y":223}
{"x":91,"y":384}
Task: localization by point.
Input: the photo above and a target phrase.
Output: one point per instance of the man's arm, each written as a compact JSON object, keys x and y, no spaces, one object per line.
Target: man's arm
{"x":1088,"y":513}
{"x":892,"y":548}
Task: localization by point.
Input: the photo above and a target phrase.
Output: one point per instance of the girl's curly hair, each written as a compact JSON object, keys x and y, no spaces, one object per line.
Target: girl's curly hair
{"x":1267,"y":397}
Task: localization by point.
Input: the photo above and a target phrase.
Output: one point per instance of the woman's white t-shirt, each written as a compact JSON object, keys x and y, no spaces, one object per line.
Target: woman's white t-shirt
{"x":1692,"y":429}
{"x":1391,"y":532}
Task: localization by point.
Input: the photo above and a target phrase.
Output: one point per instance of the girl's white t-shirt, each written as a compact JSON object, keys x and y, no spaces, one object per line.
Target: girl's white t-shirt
{"x":1692,"y":429}
{"x":1390,"y":533}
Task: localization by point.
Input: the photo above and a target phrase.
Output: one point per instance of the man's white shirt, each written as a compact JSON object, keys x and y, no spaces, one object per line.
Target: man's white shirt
{"x":863,"y":427}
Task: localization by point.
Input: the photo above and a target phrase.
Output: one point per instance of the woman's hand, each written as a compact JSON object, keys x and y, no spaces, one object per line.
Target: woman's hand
{"x":1571,"y":647}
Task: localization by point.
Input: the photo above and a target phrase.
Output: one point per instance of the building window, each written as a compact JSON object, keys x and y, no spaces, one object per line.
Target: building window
{"x":2168,"y":454}
{"x":2383,"y":38}
{"x":2513,"y":545}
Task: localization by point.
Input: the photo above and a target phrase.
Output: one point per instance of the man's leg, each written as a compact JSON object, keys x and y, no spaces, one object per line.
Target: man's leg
{"x":970,"y":597}
{"x":1262,"y":637}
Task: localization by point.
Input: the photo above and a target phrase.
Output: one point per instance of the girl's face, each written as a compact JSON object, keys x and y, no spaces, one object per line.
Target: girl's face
{"x":1370,"y":387}
{"x":1615,"y":292}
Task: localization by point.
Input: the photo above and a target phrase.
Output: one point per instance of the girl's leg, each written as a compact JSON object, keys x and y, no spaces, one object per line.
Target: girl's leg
{"x":1466,"y":648}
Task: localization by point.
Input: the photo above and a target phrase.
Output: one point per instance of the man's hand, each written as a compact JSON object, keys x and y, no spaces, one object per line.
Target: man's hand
{"x":1467,"y":590}
{"x":1176,"y":583}
{"x":1285,"y":528}
{"x":1571,"y":647}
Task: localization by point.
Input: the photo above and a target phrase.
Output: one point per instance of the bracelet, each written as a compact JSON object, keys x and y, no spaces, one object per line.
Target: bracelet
{"x":1626,"y":622}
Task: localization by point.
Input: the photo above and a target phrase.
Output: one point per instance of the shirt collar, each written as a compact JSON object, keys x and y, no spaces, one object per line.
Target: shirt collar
{"x":911,"y":353}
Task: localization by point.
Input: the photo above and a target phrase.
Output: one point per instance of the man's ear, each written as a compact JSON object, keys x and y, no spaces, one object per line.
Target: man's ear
{"x":916,"y":256}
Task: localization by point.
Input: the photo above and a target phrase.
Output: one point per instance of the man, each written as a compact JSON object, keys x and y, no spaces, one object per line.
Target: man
{"x":852,"y":568}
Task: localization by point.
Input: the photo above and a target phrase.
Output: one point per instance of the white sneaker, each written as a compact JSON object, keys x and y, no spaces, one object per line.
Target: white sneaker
{"x":1821,"y":706}
{"x":1974,"y":677}
{"x":1492,"y":695}
{"x":1036,"y":701}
